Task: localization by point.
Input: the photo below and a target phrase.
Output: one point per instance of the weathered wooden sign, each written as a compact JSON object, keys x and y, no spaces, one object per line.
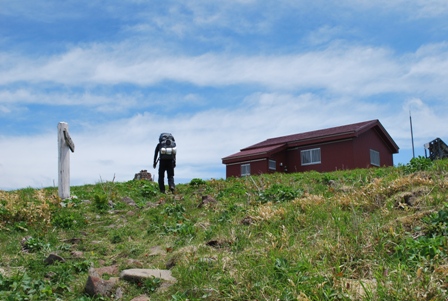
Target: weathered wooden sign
{"x":69,"y":140}
{"x":65,"y":145}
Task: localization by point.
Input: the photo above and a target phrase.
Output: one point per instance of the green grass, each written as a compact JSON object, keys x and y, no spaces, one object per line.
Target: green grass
{"x":343,"y":235}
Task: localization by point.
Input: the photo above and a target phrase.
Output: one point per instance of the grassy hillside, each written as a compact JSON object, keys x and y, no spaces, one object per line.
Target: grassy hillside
{"x":367,"y":234}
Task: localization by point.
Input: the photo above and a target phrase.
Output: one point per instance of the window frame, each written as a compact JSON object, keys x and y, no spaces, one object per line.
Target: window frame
{"x":309,"y":153}
{"x":272,"y":164}
{"x":375,"y":155}
{"x":245,"y":169}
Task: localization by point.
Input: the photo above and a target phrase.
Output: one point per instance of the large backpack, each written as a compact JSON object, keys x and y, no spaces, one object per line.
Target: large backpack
{"x":167,"y":146}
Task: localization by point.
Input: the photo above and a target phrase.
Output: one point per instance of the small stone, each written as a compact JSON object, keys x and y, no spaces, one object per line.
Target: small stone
{"x":52,"y":258}
{"x":77,"y":254}
{"x":207,"y":200}
{"x":96,"y":286}
{"x":248,"y":220}
{"x":129,"y":201}
{"x":119,"y":294}
{"x":134,"y":263}
{"x":137,"y":275}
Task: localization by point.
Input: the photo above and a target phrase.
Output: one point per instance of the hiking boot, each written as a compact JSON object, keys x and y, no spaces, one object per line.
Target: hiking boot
{"x":172,"y":189}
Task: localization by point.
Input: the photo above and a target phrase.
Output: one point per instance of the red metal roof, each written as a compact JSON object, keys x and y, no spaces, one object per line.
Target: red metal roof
{"x":318,"y":136}
{"x":256,"y":152}
{"x":330,"y":132}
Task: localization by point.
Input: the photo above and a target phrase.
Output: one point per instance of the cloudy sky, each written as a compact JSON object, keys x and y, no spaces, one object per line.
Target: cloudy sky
{"x":219,"y":75}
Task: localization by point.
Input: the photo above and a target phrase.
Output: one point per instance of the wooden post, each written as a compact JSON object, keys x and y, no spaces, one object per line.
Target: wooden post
{"x":65,"y":144}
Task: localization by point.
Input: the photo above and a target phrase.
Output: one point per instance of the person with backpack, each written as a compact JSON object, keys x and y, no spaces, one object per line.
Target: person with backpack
{"x":165,"y":153}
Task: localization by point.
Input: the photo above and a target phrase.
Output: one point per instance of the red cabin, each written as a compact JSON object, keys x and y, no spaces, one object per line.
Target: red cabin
{"x":358,"y":145}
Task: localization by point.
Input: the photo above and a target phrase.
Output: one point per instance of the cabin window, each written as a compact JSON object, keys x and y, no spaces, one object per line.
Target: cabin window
{"x":310,"y":156}
{"x":245,"y":170}
{"x":374,"y":157}
{"x":272,"y":165}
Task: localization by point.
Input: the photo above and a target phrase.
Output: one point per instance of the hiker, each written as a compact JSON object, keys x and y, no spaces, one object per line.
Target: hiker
{"x":165,"y":152}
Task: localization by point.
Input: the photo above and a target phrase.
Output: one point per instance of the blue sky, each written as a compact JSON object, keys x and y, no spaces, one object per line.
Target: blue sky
{"x":219,"y":75}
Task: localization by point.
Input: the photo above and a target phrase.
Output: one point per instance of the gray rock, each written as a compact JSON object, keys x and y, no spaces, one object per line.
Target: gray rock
{"x":119,"y":294}
{"x":129,"y":201}
{"x":96,"y":286}
{"x":143,"y":175}
{"x":150,"y":205}
{"x":248,"y":220}
{"x":171,"y":262}
{"x":52,"y":258}
{"x":77,"y":254}
{"x":207,"y":201}
{"x":137,"y":275}
{"x":134,"y":263}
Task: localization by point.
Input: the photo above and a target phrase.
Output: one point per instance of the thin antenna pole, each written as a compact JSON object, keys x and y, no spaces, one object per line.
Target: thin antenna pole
{"x":412,"y":135}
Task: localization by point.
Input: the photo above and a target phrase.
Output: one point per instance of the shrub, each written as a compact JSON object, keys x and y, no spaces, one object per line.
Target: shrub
{"x":82,"y":266}
{"x":419,"y":163}
{"x":150,"y":285}
{"x":197,"y":182}
{"x":149,"y":190}
{"x":100,"y":201}
{"x":67,"y":219}
{"x":33,"y":244}
{"x":437,"y":223}
{"x":176,"y":210}
{"x":23,"y":287}
{"x":430,"y":245}
{"x":180,"y":228}
{"x":26,"y":206}
{"x":413,"y":250}
{"x":278,"y":193}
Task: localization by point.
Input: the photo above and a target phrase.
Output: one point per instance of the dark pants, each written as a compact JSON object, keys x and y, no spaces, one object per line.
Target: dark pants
{"x":168,"y":166}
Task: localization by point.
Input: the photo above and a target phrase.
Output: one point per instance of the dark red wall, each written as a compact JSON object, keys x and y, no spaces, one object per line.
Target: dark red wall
{"x":334,"y":156}
{"x":346,"y":154}
{"x":233,"y":170}
{"x":280,"y":161}
{"x":372,"y":140}
{"x":256,"y":167}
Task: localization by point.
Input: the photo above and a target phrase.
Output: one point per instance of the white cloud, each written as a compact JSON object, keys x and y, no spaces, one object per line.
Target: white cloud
{"x":4,"y":109}
{"x":208,"y":72}
{"x":341,"y":69}
{"x":25,"y":161}
{"x":124,"y":147}
{"x":430,"y":8}
{"x":325,"y":34}
{"x":412,"y":9}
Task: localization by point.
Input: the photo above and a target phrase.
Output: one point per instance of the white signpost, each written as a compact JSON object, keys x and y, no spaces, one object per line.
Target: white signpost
{"x":65,"y":144}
